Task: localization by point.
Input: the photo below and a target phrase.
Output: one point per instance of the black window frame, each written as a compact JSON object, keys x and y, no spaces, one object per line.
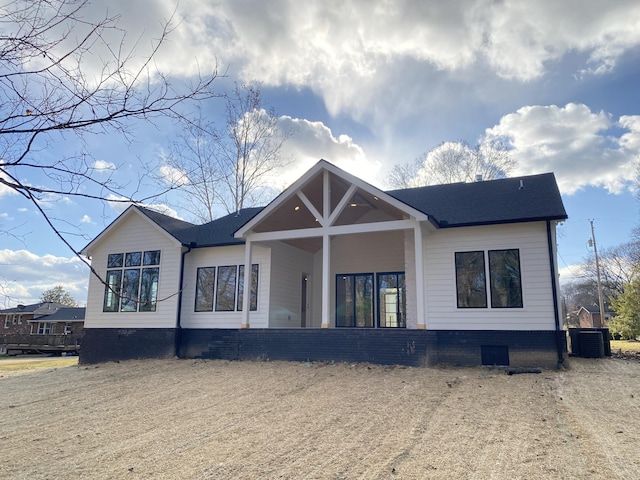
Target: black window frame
{"x":517,"y":279}
{"x":122,"y":266}
{"x":354,"y":319}
{"x":401,"y":300}
{"x":211,"y":292}
{"x":253,"y":297}
{"x":238,"y":287}
{"x":483,"y":281}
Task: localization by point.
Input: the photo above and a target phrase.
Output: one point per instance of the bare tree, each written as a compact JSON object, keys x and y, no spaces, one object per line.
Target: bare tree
{"x":227,"y":168}
{"x":619,"y":265}
{"x":58,"y":294}
{"x":191,"y":165}
{"x":452,"y":162}
{"x":51,"y":90}
{"x":248,"y":149}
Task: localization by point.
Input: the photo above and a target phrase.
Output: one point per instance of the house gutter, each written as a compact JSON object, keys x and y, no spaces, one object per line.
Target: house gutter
{"x":178,"y":336}
{"x":554,"y":288}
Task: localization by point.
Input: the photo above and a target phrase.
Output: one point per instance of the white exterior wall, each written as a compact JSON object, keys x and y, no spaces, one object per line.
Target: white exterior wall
{"x":135,"y":234}
{"x":218,"y":257}
{"x":441,"y":301}
{"x":288,"y":265}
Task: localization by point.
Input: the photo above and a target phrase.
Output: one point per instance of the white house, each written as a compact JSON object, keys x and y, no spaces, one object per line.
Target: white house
{"x":463,"y":273}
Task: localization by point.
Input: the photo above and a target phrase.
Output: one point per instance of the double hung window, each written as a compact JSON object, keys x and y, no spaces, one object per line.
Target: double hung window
{"x":45,"y":328}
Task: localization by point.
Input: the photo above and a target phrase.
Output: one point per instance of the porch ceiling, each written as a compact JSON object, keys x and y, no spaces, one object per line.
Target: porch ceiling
{"x":361,"y":207}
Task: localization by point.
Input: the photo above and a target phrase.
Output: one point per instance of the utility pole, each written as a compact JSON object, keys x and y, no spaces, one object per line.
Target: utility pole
{"x":595,"y":251}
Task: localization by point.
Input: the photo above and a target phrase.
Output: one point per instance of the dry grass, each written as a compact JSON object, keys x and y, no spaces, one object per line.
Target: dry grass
{"x":16,"y":364}
{"x":625,"y":345}
{"x":194,"y":419}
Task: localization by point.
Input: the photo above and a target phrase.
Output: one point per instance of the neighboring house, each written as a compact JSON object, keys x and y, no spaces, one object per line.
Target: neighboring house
{"x":45,"y":327}
{"x":463,"y":273}
{"x":589,"y":316}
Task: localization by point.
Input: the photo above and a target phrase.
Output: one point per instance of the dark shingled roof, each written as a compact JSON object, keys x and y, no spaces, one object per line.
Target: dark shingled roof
{"x":64,"y":314}
{"x":216,"y":233}
{"x":49,"y":311}
{"x":508,"y":200}
{"x":171,"y":225}
{"x":220,"y":231}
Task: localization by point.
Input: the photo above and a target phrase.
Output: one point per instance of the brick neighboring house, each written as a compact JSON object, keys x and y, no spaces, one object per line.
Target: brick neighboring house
{"x":589,"y":316}
{"x":41,"y":327}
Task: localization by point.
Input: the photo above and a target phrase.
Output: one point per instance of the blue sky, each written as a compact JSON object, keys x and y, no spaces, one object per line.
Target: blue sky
{"x":368,"y":84}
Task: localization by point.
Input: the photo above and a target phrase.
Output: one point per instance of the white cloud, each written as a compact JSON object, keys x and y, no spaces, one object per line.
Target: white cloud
{"x":25,"y":276}
{"x":349,"y":52}
{"x":5,"y":190}
{"x":574,"y":143}
{"x":103,"y":165}
{"x":312,"y":141}
{"x":86,"y":219}
{"x":173,"y":175}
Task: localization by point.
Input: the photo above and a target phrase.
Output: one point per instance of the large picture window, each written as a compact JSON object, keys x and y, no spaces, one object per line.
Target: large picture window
{"x":470,"y":280}
{"x":224,"y":287}
{"x":506,"y":286}
{"x":132,"y":282}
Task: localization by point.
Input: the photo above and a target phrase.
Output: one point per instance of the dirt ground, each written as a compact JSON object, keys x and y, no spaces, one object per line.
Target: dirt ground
{"x":186,"y":419}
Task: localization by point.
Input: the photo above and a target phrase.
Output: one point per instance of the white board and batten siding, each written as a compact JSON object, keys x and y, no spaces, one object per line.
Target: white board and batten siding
{"x":440,"y":278}
{"x":219,"y":257}
{"x":135,"y":233}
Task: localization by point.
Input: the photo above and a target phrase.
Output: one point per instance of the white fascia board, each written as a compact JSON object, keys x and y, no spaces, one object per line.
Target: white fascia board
{"x":131,"y":210}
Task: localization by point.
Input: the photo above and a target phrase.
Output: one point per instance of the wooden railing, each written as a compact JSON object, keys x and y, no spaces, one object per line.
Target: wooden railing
{"x":40,"y":342}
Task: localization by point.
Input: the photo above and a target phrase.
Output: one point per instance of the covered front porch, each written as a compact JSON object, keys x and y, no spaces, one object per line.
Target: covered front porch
{"x":343,"y":254}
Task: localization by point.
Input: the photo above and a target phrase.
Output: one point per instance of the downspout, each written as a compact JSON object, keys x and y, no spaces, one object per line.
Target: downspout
{"x":554,"y":288}
{"x":178,"y":336}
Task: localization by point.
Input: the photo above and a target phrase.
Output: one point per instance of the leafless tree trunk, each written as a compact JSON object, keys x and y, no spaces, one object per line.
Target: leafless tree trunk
{"x":249,"y":149}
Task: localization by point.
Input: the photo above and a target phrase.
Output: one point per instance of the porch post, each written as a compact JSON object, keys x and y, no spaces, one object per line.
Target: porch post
{"x":326,"y":280}
{"x":420,"y":293}
{"x":246,"y":295}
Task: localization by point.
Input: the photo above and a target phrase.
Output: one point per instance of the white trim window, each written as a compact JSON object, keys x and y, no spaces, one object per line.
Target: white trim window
{"x":45,"y":328}
{"x":132,"y":282}
{"x":7,"y":321}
